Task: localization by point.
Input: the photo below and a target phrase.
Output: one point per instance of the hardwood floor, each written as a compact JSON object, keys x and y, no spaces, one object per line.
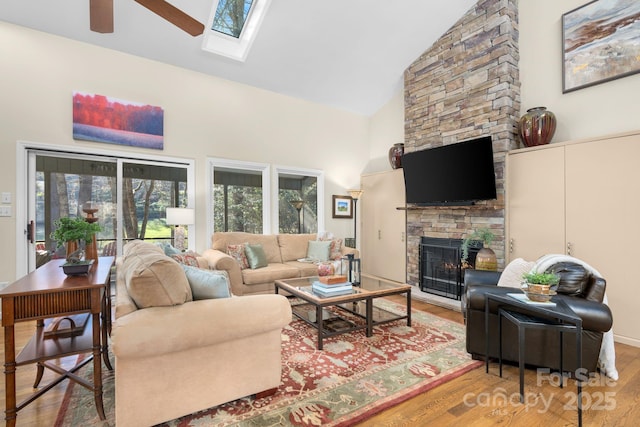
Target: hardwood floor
{"x":477,"y":398}
{"x":42,"y":411}
{"x":474,"y":399}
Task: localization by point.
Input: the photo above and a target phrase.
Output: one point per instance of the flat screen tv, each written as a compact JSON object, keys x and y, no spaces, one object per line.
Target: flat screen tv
{"x":454,"y":174}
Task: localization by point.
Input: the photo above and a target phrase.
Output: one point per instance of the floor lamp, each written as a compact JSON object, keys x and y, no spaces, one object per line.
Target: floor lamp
{"x":355,"y":195}
{"x":298,"y":205}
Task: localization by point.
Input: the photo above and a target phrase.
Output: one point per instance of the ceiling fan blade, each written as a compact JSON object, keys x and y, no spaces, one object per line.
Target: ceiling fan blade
{"x":101,"y":16}
{"x":174,"y":16}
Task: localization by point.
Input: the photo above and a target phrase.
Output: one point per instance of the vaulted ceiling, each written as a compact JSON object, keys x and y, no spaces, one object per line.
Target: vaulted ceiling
{"x":348,"y":54}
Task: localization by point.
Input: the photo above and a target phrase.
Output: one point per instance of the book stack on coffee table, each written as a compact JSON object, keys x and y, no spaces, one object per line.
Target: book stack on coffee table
{"x":330,"y":286}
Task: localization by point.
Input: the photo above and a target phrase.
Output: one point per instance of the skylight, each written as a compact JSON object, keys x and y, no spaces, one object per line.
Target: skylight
{"x":230,"y":16}
{"x":233,"y":25}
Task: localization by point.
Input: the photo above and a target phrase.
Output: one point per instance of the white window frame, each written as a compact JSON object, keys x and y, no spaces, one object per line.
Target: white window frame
{"x":22,"y":187}
{"x":270,"y":214}
{"x":264,"y":168}
{"x":225,"y":45}
{"x":291,"y":170}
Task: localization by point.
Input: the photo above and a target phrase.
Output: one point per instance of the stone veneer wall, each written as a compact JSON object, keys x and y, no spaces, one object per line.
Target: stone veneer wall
{"x":465,"y":86}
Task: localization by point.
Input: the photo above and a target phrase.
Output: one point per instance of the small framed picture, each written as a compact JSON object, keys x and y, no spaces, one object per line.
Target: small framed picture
{"x":342,"y":207}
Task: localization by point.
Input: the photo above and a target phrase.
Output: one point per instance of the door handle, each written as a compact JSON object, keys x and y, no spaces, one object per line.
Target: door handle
{"x":31,"y":231}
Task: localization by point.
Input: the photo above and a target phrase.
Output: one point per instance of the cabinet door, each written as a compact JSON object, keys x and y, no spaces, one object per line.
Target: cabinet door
{"x":603,"y":201}
{"x":535,"y":203}
{"x":383,"y":226}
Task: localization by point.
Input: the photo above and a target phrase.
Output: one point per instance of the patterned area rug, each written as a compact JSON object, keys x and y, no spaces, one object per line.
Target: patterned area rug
{"x":352,"y":379}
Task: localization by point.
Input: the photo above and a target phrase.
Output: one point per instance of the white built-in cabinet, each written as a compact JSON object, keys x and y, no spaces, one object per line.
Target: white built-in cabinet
{"x":535,"y":197}
{"x":383,"y":237}
{"x":582,"y":198}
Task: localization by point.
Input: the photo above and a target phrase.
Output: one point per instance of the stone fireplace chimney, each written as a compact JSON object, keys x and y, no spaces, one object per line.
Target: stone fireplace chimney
{"x":465,"y":86}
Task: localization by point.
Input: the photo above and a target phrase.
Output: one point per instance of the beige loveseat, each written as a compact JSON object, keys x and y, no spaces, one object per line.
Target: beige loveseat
{"x":178,"y":356}
{"x":282,"y":251}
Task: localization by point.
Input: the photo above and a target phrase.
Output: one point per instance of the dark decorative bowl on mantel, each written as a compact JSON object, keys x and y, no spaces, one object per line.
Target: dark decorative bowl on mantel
{"x":77,"y":268}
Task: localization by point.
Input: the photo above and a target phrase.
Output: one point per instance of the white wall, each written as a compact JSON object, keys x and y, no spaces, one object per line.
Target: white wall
{"x":204,"y":116}
{"x":603,"y":109}
{"x":386,"y":129}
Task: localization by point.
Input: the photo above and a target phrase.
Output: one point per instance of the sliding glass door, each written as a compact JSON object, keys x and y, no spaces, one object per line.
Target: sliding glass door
{"x":64,"y":186}
{"x":148,"y":189}
{"x":131,"y":198}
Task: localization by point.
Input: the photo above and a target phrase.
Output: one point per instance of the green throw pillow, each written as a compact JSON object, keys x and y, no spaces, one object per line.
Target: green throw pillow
{"x":319,"y":250}
{"x":206,"y":284}
{"x":256,"y":256}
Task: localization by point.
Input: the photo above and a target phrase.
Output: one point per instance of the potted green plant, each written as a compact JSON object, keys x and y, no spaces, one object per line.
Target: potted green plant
{"x":540,"y":282}
{"x":486,"y":257}
{"x":537,"y":286}
{"x":70,"y":231}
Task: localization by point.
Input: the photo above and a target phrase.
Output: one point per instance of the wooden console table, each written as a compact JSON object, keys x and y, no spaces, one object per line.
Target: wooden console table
{"x":47,"y":293}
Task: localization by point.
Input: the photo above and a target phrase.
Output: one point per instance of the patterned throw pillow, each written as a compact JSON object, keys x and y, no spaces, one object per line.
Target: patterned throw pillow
{"x":237,"y":253}
{"x":336,"y":244}
{"x":334,"y":252}
{"x":187,"y":258}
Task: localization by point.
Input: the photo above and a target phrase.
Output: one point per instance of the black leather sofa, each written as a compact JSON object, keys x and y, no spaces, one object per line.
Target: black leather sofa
{"x":582,"y":291}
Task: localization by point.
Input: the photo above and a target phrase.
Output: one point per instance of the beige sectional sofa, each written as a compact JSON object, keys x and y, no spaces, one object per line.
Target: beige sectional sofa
{"x":282,"y":251}
{"x":176,"y":356}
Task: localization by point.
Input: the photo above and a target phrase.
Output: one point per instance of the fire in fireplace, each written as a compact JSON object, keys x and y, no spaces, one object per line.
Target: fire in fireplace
{"x":441,"y":269}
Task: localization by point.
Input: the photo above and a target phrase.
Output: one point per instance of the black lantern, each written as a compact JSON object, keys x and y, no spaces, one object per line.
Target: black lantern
{"x":350,"y":267}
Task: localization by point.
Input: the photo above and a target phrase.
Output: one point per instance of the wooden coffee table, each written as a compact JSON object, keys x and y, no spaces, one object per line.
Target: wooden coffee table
{"x":358,"y":307}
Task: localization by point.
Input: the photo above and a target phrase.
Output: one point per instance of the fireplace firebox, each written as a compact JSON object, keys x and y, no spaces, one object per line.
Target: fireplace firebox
{"x":441,"y":269}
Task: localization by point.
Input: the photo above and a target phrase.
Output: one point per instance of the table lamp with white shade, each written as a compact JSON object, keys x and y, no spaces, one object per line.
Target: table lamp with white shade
{"x":180,"y":217}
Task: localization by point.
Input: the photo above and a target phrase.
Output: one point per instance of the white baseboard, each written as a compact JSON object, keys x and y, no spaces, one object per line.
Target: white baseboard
{"x":449,"y":303}
{"x":625,"y":340}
